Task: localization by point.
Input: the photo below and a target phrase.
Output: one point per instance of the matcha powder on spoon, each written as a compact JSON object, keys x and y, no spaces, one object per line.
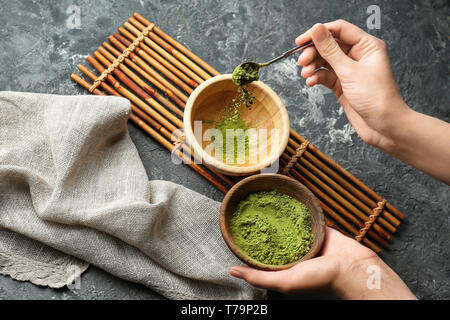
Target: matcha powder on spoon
{"x":272,"y":228}
{"x":245,"y":73}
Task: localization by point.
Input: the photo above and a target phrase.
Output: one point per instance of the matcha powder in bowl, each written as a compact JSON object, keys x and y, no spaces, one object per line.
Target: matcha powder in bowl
{"x":272,"y":228}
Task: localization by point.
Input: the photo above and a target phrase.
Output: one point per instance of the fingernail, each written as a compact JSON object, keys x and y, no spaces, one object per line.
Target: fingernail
{"x":235,"y":273}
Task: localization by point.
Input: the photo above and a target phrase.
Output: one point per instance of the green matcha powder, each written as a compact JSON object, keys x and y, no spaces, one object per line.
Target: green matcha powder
{"x":272,"y":228}
{"x":231,"y":120}
{"x":245,"y":73}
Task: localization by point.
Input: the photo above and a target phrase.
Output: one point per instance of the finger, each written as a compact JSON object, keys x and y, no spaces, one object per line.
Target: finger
{"x":310,"y":69}
{"x":314,"y":274}
{"x":304,"y":276}
{"x":272,"y":280}
{"x":329,"y":49}
{"x":346,"y":32}
{"x":327,"y":78}
{"x":308,"y":55}
{"x":303,"y":38}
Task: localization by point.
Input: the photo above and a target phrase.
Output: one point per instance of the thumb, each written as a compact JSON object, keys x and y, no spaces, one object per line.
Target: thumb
{"x":329,"y":49}
{"x":272,"y":280}
{"x":305,"y":276}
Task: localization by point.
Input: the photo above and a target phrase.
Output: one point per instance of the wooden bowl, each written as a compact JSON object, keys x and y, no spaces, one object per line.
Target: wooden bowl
{"x":207,"y":104}
{"x":284,"y":185}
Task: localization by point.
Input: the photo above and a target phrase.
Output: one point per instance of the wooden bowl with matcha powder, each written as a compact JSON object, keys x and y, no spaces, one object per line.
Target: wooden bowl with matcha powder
{"x":272,"y":222}
{"x":251,"y":117}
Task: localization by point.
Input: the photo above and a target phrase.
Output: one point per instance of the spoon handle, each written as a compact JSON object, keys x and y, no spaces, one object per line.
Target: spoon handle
{"x":290,"y":52}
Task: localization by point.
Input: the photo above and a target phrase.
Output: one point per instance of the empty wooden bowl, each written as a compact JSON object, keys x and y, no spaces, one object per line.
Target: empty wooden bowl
{"x":284,"y":185}
{"x":207,"y":104}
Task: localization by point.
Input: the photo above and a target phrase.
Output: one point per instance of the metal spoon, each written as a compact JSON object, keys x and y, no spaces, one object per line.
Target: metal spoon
{"x":252,"y":68}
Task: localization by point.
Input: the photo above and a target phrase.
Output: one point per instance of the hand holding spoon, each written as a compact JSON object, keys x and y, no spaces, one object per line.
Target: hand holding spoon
{"x":248,"y":71}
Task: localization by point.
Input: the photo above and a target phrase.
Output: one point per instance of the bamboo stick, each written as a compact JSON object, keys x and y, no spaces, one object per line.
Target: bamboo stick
{"x":142,"y":83}
{"x":131,"y":96}
{"x":168,"y":52}
{"x":347,"y":175}
{"x":166,"y":72}
{"x":136,"y":89}
{"x":155,"y":135}
{"x":153,"y":77}
{"x":172,"y":64}
{"x":85,"y":84}
{"x":148,"y":69}
{"x":169,"y":61}
{"x":151,"y":55}
{"x":177,"y":45}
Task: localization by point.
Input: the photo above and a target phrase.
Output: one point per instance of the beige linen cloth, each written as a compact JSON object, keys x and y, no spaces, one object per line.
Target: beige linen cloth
{"x":73,"y":191}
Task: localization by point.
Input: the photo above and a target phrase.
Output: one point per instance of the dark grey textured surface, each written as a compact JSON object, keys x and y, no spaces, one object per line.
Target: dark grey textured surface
{"x":38,"y":53}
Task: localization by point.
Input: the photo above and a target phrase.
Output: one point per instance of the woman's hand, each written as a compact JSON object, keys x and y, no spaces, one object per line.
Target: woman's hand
{"x":341,"y":268}
{"x":359,"y":73}
{"x":355,"y":65}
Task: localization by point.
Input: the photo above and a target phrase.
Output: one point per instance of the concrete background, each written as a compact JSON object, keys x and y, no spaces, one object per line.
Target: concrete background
{"x":39,"y":52}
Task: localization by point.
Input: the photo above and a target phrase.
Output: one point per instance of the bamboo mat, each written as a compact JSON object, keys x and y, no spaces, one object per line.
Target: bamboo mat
{"x":157,"y":74}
